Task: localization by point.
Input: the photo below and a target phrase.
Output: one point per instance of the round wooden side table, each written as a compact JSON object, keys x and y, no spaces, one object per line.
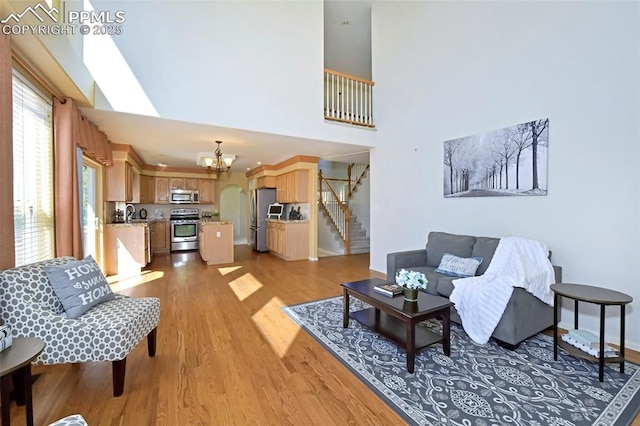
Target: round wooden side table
{"x":16,"y":361}
{"x":590,"y":294}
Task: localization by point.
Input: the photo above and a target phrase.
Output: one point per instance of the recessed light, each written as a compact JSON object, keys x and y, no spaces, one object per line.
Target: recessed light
{"x":248,"y":168}
{"x":259,"y":162}
{"x":162,"y":165}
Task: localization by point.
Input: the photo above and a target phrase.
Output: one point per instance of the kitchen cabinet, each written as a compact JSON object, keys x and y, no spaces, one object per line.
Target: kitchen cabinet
{"x":192,"y":184}
{"x":147,"y":189}
{"x":266,"y":182}
{"x":207,"y":193}
{"x":292,"y":187}
{"x":162,"y":190}
{"x":160,"y":237}
{"x":215,"y":242}
{"x":288,"y":240}
{"x":119,"y":182}
{"x":184,"y":183}
{"x":176,"y":183}
{"x":125,"y":249}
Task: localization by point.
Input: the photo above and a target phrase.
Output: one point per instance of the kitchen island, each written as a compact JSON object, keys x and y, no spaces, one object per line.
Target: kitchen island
{"x":126,"y":248}
{"x":216,"y":241}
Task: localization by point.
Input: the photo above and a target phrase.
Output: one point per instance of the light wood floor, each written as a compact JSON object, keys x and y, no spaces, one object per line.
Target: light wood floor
{"x":226,"y":353}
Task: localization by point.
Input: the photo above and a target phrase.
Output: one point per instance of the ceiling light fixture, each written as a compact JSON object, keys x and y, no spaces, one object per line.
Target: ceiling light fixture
{"x":216,"y":162}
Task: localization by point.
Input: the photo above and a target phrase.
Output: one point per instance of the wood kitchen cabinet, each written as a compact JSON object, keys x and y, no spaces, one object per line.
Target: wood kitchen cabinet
{"x":271,"y":236}
{"x":176,"y":183}
{"x":192,"y":183}
{"x":119,"y":181}
{"x":266,"y":182}
{"x":162,"y":190}
{"x":125,"y":249}
{"x":292,"y":187}
{"x":184,"y":183}
{"x":207,"y":193}
{"x":288,"y":240}
{"x":160,"y":237}
{"x":215,"y":242}
{"x":147,"y":189}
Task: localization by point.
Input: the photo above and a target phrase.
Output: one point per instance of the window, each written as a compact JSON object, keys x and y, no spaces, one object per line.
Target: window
{"x":89,"y":207}
{"x":32,"y":173}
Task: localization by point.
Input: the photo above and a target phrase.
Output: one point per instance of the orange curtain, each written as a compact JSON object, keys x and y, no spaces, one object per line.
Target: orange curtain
{"x":72,"y":130}
{"x":67,"y":198}
{"x":7,"y":240}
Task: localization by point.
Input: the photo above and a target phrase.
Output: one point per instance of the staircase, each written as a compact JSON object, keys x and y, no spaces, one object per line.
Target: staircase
{"x":334,"y":196}
{"x":357,"y":237}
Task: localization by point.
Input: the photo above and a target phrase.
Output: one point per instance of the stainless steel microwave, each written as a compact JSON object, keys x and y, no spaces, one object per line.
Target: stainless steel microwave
{"x":184,"y":196}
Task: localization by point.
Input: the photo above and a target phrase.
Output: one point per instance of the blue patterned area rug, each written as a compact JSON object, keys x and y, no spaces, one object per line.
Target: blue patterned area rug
{"x":478,"y":384}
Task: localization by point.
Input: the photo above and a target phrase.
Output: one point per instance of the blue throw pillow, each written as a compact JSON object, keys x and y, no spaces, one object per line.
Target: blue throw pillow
{"x":79,"y":285}
{"x":458,"y":266}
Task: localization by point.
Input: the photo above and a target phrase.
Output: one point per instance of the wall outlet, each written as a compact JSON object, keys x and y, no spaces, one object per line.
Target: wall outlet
{"x":218,"y":234}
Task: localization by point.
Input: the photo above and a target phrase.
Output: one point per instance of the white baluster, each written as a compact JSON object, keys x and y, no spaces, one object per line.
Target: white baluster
{"x":369,"y":115}
{"x":357,"y":112}
{"x":342,"y":96}
{"x":327,"y":91}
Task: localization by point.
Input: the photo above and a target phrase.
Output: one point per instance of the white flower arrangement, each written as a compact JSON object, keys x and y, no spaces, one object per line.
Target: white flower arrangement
{"x":411,"y":279}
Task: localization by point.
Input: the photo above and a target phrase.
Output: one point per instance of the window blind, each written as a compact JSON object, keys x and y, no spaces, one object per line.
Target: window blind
{"x":32,"y":173}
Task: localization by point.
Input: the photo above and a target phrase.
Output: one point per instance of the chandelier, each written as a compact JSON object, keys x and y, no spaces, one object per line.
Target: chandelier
{"x":220,"y":163}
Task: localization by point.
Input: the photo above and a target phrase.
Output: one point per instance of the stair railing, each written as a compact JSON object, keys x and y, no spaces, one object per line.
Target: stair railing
{"x":348,"y":99}
{"x":355,"y":174}
{"x":335,"y":207}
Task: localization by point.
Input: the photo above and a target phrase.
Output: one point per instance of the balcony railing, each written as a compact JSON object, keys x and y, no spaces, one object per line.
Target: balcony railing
{"x":348,"y":99}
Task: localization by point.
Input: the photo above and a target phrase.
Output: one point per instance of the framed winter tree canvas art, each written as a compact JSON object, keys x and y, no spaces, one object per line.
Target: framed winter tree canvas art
{"x":505,"y":162}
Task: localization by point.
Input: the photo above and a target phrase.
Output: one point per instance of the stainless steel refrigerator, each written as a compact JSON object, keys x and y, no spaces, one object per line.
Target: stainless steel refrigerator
{"x":258,"y":208}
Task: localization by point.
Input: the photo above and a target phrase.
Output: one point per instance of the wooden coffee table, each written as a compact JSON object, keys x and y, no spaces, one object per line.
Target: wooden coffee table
{"x":395,"y":318}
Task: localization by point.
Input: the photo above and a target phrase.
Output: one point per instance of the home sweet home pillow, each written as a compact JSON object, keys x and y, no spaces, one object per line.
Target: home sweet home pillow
{"x":458,"y":266}
{"x":79,"y":285}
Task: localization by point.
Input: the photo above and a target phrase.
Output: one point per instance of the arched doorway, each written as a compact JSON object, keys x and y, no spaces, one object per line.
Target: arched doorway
{"x":233,"y":206}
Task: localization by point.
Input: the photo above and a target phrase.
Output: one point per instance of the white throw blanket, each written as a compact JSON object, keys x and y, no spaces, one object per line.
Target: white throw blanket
{"x":481,"y":301}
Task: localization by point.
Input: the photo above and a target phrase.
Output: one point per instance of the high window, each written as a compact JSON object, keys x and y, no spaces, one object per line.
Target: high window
{"x":32,"y":172}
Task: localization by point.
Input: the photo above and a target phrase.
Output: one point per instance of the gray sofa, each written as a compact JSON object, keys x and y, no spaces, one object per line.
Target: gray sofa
{"x":525,"y":314}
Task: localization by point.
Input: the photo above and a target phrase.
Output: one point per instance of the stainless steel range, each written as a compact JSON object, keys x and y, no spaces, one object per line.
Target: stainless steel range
{"x":184,"y":229}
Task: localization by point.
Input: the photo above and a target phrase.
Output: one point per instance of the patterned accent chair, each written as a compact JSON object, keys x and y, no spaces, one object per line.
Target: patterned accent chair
{"x":107,"y":332}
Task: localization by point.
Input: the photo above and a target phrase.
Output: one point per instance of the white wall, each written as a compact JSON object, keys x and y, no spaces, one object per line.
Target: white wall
{"x":449,"y":69}
{"x":251,"y":65}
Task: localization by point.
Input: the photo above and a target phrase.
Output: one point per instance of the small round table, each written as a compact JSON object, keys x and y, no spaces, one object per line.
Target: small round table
{"x":16,"y":361}
{"x":600,"y":296}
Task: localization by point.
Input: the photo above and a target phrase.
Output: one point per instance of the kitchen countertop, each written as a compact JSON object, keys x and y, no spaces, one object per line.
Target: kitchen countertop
{"x":207,"y":221}
{"x":288,"y":221}
{"x":136,"y":222}
{"x":126,"y":224}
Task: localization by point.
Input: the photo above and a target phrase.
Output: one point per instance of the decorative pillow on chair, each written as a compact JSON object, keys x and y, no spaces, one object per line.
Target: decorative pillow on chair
{"x":79,"y":285}
{"x":458,"y":266}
